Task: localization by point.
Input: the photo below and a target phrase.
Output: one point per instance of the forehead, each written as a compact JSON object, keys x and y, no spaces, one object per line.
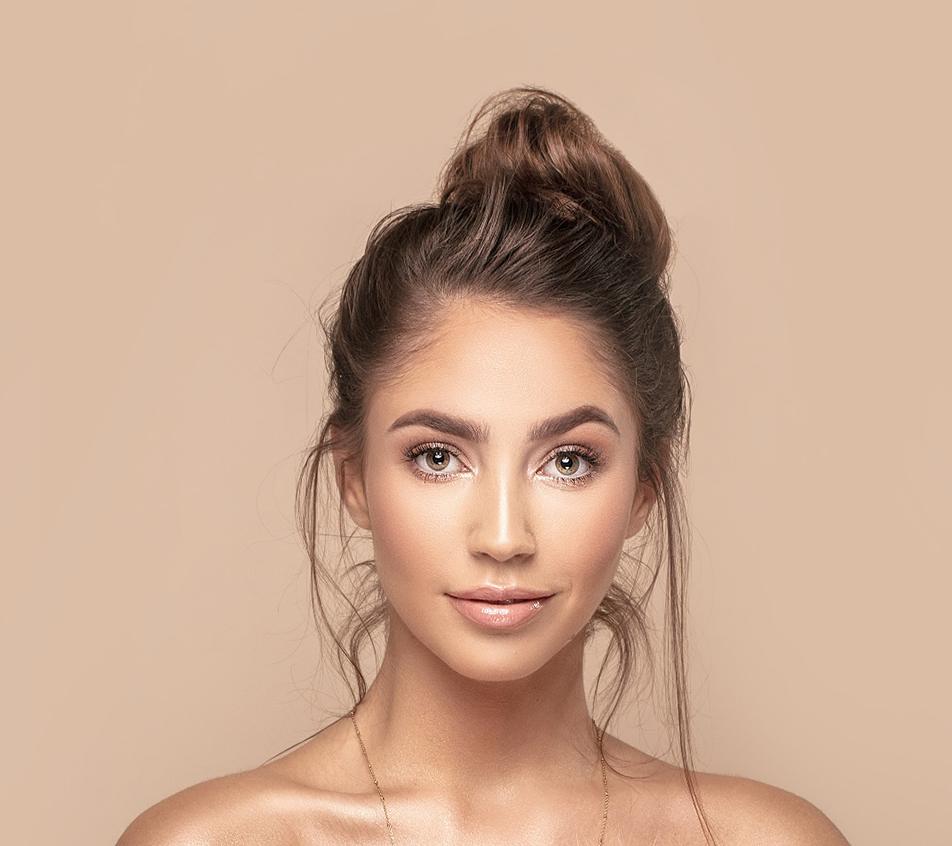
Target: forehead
{"x":501,"y":365}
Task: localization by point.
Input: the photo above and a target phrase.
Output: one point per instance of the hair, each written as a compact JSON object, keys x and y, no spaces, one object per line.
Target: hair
{"x":535,"y":211}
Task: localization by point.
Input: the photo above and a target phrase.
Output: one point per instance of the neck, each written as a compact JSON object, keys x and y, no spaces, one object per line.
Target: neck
{"x":421,"y":717}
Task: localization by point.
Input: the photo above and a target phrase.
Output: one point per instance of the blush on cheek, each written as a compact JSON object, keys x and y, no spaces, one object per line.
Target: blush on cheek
{"x":590,"y":538}
{"x":414,"y":543}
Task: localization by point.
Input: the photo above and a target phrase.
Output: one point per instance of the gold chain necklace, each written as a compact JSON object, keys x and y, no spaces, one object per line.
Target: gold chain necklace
{"x":601,"y":754}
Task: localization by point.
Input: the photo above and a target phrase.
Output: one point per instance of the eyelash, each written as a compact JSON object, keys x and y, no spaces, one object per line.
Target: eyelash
{"x":593,"y":457}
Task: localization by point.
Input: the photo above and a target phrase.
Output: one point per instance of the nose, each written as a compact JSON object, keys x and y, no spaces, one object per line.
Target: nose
{"x":500,"y":519}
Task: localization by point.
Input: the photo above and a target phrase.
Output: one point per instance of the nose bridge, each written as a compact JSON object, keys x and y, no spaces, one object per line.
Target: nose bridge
{"x":502,"y":522}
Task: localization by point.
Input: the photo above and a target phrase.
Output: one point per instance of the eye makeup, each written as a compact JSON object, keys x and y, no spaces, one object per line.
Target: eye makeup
{"x":591,"y":456}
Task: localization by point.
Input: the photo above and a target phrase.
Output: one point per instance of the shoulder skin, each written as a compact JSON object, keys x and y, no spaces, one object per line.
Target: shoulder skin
{"x":236,"y":809}
{"x":745,"y":812}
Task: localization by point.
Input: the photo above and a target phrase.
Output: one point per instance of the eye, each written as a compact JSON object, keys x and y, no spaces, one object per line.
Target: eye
{"x":438,"y":457}
{"x":566,"y":462}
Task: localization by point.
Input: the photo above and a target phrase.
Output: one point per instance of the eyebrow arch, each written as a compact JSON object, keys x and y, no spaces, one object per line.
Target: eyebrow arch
{"x":478,"y":433}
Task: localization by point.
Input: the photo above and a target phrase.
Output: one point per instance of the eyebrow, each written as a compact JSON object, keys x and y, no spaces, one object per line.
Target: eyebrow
{"x":478,"y":433}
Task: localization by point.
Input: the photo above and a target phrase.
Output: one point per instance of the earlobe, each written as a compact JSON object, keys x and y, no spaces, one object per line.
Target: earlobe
{"x":644,"y":501}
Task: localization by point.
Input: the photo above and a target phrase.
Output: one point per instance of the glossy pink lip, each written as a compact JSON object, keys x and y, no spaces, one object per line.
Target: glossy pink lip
{"x":498,"y":615}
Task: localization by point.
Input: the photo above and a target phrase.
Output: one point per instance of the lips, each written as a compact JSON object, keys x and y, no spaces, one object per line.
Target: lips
{"x":502,"y":595}
{"x":500,"y":614}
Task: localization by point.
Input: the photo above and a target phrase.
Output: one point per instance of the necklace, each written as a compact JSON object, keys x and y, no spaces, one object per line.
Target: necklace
{"x":601,"y":754}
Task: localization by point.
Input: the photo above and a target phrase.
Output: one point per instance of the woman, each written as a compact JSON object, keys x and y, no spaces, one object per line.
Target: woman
{"x":509,"y":407}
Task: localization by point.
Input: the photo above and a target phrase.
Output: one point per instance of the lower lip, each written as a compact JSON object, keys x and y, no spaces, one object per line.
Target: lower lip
{"x":493,"y":616}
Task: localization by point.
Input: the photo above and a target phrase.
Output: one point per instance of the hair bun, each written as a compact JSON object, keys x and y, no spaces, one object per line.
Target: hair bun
{"x":538,"y":144}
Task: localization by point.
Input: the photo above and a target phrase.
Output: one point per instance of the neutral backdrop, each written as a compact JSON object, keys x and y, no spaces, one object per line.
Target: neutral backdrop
{"x":183,"y":182}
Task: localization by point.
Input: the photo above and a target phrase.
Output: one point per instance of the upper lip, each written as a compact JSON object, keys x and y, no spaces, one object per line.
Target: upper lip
{"x":501,"y":594}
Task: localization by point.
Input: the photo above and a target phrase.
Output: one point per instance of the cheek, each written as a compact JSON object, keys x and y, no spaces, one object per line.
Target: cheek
{"x":585,"y":534}
{"x":413,"y":526}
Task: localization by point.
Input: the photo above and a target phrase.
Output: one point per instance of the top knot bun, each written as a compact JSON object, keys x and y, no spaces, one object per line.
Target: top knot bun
{"x":539,"y":144}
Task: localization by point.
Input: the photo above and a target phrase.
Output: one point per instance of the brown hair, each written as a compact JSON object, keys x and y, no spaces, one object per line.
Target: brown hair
{"x":535,"y":211}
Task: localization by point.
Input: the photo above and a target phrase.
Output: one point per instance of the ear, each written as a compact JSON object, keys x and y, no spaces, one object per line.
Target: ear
{"x":350,"y":485}
{"x":644,"y":500}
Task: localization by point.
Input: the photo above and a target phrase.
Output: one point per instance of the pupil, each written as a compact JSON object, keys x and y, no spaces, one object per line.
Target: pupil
{"x":566,"y":457}
{"x":441,"y":459}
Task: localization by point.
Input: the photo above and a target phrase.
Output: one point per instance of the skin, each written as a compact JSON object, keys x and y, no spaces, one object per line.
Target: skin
{"x":485,"y":736}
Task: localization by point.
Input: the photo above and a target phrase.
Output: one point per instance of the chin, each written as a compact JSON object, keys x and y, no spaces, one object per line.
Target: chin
{"x":502,"y":658}
{"x":494,"y":665}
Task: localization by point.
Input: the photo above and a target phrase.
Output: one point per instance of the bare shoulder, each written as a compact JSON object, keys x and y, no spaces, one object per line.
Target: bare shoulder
{"x":747,"y":812}
{"x":740,"y":811}
{"x":240,"y":808}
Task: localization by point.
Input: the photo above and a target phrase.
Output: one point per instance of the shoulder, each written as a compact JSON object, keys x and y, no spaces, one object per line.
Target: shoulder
{"x":747,"y":812}
{"x":741,"y":811}
{"x":240,"y":808}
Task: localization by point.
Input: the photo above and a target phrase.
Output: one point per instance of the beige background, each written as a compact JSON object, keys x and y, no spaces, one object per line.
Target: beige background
{"x":181,"y":181}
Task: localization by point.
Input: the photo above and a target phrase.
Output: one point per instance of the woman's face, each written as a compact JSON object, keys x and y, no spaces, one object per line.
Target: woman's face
{"x":450,"y":510}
